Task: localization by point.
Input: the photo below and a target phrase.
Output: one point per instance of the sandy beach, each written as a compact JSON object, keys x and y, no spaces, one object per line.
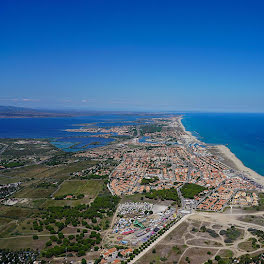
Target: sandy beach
{"x":227,"y":154}
{"x":239,"y":164}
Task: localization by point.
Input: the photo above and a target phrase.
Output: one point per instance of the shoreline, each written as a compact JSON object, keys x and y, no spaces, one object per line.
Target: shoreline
{"x":228,"y":154}
{"x":239,"y":164}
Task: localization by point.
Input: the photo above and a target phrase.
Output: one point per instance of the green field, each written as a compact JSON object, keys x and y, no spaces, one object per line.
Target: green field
{"x":31,"y":192}
{"x":37,"y":172}
{"x":89,"y":188}
{"x":14,"y":212}
{"x":23,"y":242}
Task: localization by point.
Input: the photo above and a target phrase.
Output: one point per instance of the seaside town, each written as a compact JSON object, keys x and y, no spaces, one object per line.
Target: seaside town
{"x":169,"y":158}
{"x":170,"y":165}
{"x":151,"y":179}
{"x":132,"y":132}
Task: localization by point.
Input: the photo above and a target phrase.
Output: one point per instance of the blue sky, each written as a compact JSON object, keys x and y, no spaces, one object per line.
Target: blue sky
{"x":133,"y":55}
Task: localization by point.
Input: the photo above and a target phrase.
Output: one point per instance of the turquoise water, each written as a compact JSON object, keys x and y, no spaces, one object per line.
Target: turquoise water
{"x":54,"y":129}
{"x":242,"y":133}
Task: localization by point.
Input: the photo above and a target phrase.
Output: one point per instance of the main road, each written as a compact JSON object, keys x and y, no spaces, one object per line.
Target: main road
{"x":159,"y":239}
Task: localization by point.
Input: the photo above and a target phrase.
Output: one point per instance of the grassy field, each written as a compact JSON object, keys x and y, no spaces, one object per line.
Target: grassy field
{"x":89,"y":188}
{"x":23,"y":242}
{"x":11,"y":217}
{"x":18,"y":174}
{"x":14,"y":212}
{"x":28,"y":147}
{"x":37,"y":172}
{"x":138,"y":197}
{"x":31,"y":192}
{"x":226,"y":253}
{"x":7,"y":229}
{"x":51,"y":202}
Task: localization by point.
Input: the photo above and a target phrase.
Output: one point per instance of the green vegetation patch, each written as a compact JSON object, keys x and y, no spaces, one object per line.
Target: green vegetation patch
{"x":14,"y":212}
{"x":261,"y":202}
{"x":76,"y":187}
{"x":166,"y":194}
{"x":258,"y":233}
{"x":190,"y":190}
{"x":33,"y":192}
{"x":231,"y":234}
{"x":17,"y":243}
{"x":249,"y":245}
{"x":12,"y":164}
{"x":150,"y":128}
{"x":7,"y":229}
{"x":226,"y":253}
{"x":91,"y":217}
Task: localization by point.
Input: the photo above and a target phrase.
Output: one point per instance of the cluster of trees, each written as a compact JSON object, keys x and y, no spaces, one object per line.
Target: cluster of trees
{"x":165,"y":194}
{"x":260,"y":205}
{"x":231,"y":234}
{"x":244,"y":259}
{"x":11,"y":164}
{"x":55,"y":219}
{"x":102,"y":206}
{"x":254,"y":243}
{"x":78,"y":244}
{"x":146,"y":181}
{"x":190,"y":190}
{"x":258,"y":233}
{"x":211,"y":232}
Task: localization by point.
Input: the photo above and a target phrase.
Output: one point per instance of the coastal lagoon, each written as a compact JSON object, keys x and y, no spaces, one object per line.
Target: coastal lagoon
{"x":243,"y":134}
{"x":54,"y":129}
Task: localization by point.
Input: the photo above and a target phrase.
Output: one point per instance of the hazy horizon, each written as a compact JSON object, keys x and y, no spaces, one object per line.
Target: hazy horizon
{"x":76,"y":109}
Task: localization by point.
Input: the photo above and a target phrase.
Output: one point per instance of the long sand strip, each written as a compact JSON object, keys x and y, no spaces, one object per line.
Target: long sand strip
{"x":226,"y":152}
{"x":239,"y":164}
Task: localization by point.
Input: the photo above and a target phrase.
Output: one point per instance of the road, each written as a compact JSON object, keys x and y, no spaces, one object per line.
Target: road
{"x":159,"y":239}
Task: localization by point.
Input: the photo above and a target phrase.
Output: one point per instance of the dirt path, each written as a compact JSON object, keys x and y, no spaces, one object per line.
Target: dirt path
{"x":210,"y":219}
{"x":159,"y":239}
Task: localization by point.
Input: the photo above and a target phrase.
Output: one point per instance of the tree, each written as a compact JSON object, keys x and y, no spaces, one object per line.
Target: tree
{"x":60,"y":235}
{"x":81,"y":253}
{"x":35,"y":237}
{"x":217,"y":257}
{"x":48,"y":243}
{"x":84,"y":261}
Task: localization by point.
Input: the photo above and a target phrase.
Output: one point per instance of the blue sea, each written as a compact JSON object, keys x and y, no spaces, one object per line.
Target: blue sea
{"x":242,"y":133}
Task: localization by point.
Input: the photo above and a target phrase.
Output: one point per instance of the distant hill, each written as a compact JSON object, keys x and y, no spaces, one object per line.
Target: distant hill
{"x":22,"y":112}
